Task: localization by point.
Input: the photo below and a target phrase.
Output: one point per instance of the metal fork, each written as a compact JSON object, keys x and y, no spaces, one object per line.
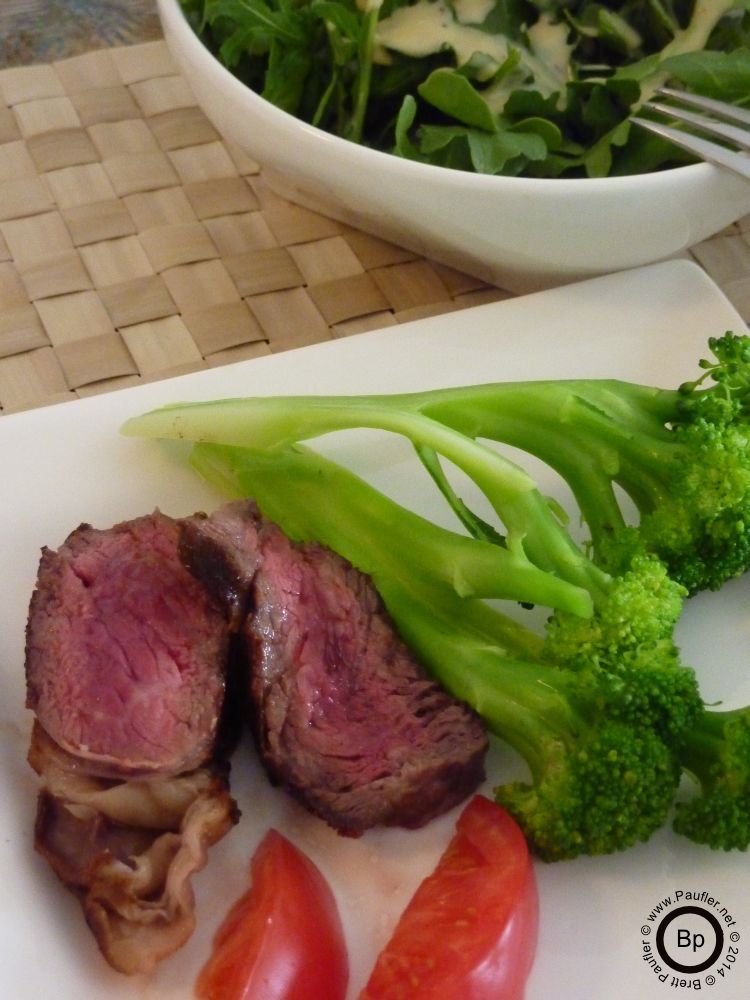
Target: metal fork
{"x":713,"y":118}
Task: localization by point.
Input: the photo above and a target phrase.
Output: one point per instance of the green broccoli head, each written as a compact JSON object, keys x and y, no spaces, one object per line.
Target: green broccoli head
{"x":729,"y":369}
{"x":641,"y":608}
{"x":625,"y":653}
{"x":605,"y":770}
{"x":696,"y":518}
{"x":651,"y":688}
{"x":703,"y":531}
{"x":700,"y":524}
{"x":608,"y":781}
{"x":718,"y":755}
{"x":610,"y":789}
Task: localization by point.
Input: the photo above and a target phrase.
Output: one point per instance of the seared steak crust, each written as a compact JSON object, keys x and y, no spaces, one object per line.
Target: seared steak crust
{"x":223,"y":552}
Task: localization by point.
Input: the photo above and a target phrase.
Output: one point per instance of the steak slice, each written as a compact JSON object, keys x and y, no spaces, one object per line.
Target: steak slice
{"x":125,"y":651}
{"x":344,"y":716}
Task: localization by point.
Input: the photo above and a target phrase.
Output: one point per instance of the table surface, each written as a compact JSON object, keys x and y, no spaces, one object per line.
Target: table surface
{"x":39,"y":31}
{"x":136,"y":244}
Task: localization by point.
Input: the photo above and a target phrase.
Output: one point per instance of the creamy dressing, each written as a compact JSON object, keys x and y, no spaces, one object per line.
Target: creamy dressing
{"x":549,"y":43}
{"x":430,"y":26}
{"x":473,"y":11}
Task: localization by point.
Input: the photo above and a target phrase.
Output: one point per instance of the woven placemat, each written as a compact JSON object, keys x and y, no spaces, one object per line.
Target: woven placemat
{"x":135,"y":244}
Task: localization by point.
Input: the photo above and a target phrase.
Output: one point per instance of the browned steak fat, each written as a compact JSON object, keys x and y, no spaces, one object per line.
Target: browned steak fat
{"x":129,"y":849}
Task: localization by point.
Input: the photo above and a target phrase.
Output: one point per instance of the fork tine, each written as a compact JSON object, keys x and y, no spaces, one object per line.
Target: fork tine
{"x":723,"y":124}
{"x":701,"y":148}
{"x":728,"y":112}
{"x":739,"y":136}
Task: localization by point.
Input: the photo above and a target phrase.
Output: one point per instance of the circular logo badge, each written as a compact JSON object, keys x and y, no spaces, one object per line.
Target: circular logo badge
{"x":689,"y":939}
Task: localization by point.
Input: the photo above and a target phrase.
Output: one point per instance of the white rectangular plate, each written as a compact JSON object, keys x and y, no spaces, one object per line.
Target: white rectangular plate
{"x":67,"y":464}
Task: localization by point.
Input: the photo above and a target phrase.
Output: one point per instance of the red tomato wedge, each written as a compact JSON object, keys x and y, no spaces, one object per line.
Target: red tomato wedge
{"x":283,"y":939}
{"x":470,"y":930}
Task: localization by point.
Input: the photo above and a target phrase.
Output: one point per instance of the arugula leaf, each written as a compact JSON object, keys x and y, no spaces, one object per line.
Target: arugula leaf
{"x":265,"y":22}
{"x":406,"y":115}
{"x":544,"y":128}
{"x":452,"y":93}
{"x":491,"y":154}
{"x":725,"y":75}
{"x":346,"y":21}
{"x":350,"y":41}
{"x":488,"y":153}
{"x":286,"y":76}
{"x":510,"y":17}
{"x":598,"y":158}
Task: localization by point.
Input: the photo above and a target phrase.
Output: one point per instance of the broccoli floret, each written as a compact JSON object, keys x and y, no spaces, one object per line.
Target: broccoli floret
{"x":630,"y":638}
{"x":608,"y":790}
{"x":601,"y":777}
{"x":642,"y":606}
{"x":600,"y":733}
{"x":681,"y":455}
{"x":717,"y":754}
{"x":604,"y":769}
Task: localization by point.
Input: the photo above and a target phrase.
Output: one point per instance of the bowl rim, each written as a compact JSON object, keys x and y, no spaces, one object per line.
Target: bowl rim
{"x":173,"y":17}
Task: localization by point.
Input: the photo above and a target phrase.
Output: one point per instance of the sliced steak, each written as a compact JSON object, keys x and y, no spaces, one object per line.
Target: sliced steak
{"x":126,"y":661}
{"x":126,"y":651}
{"x":344,"y":715}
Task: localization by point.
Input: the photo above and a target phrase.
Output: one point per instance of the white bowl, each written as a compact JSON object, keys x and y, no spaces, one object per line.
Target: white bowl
{"x":519,"y":233}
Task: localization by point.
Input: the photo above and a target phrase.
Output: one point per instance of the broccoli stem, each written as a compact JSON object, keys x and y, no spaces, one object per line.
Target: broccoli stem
{"x":517,"y":699}
{"x":705,"y":742}
{"x":594,"y":433}
{"x":580,"y":428}
{"x":275,"y":422}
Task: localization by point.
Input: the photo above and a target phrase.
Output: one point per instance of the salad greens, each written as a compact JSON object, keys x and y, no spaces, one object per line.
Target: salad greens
{"x":537,"y":88}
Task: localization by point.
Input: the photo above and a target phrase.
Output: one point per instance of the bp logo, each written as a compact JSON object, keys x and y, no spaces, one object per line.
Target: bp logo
{"x":690,"y":940}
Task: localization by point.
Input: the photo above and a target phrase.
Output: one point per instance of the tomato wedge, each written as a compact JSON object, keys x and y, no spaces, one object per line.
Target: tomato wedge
{"x":470,"y":930}
{"x":283,"y":939}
